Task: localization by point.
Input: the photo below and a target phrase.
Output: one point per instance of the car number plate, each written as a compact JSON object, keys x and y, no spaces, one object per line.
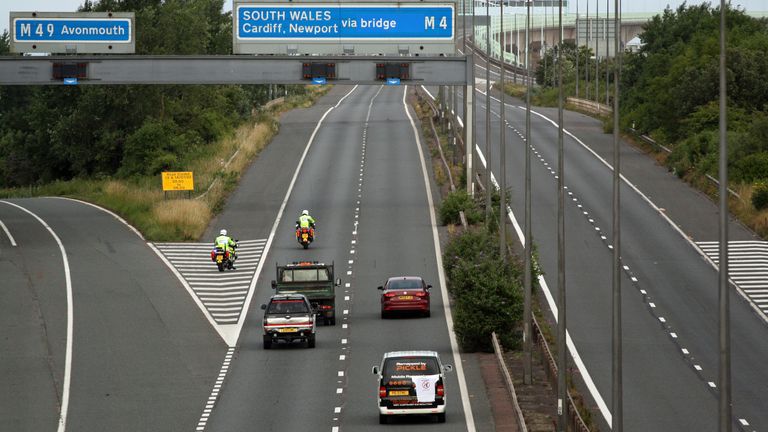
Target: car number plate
{"x":406,"y":297}
{"x":398,"y":392}
{"x":287,"y":330}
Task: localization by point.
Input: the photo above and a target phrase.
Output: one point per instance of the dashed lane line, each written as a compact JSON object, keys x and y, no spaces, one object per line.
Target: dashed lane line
{"x":341,"y":374}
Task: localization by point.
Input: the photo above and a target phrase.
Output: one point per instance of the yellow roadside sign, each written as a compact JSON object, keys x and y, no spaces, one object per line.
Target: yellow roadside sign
{"x":178,"y":181}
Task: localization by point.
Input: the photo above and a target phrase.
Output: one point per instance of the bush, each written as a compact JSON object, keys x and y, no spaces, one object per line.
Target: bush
{"x":454,"y":203}
{"x":760,"y":196}
{"x":752,"y":167}
{"x":487,"y":291}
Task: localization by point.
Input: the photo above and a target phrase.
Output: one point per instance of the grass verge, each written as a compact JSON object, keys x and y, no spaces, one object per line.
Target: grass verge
{"x":179,"y":216}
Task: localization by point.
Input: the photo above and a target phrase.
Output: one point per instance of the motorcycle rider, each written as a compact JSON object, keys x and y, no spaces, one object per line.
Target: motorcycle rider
{"x":225,"y":242}
{"x":306,"y":221}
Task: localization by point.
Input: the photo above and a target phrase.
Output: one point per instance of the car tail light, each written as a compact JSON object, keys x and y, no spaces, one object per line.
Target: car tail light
{"x":382,"y":392}
{"x":420,"y":294}
{"x":390,"y":294}
{"x":440,"y":390}
{"x":325,"y":307}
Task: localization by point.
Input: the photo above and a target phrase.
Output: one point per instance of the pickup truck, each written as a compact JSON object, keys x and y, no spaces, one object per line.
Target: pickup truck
{"x":313,"y":279}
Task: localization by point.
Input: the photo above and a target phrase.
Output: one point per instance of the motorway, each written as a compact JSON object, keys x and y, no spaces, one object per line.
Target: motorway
{"x":150,"y":346}
{"x":362,"y":181}
{"x":670,"y":289}
{"x":147,"y":355}
{"x":142,"y":356}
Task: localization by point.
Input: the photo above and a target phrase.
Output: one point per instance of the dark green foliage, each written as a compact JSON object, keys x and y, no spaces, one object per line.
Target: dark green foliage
{"x":671,"y":89}
{"x":59,"y":133}
{"x":486,"y":291}
{"x":456,"y":202}
{"x":760,"y":196}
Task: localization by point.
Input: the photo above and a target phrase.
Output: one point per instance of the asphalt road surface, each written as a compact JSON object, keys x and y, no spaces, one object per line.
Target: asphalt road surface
{"x":142,"y":355}
{"x":670,"y":290}
{"x":362,"y":181}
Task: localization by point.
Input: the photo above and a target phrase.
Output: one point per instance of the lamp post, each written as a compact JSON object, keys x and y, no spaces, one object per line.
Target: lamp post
{"x":488,"y":183}
{"x":502,"y":155}
{"x":562,"y":390}
{"x":527,"y":276}
{"x":724,"y":369}
{"x":617,"y":419}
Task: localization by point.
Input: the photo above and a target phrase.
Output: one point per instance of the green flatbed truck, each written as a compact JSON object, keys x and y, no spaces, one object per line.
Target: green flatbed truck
{"x":313,"y":279}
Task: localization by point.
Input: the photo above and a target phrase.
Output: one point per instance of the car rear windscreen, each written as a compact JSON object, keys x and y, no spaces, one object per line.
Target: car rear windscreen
{"x":404,"y":284}
{"x":287,"y":307}
{"x":410,"y":366}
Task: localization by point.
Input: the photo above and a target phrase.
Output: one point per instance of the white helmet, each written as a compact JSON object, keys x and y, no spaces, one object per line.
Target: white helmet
{"x":223,"y":232}
{"x":305,"y":212}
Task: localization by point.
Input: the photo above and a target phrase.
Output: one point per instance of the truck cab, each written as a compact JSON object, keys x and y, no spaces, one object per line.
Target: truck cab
{"x":313,"y":279}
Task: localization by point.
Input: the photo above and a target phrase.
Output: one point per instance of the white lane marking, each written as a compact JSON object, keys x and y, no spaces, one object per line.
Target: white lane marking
{"x":279,"y":217}
{"x":685,"y":351}
{"x":216,"y":389}
{"x":342,"y":357}
{"x":658,"y":210}
{"x":219,"y":329}
{"x":674,"y":335}
{"x":8,"y":233}
{"x":468,"y":416}
{"x":239,"y":326}
{"x":70,"y":319}
{"x":552,"y":306}
{"x":697,"y":367}
{"x":341,"y":373}
{"x":339,"y":390}
{"x":113,"y":214}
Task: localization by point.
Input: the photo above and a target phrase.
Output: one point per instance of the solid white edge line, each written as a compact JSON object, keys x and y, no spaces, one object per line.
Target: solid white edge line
{"x":191,"y":292}
{"x":664,"y":216}
{"x":271,"y":237}
{"x":551,"y":302}
{"x":131,"y":227}
{"x":70,"y":318}
{"x":8,"y":233}
{"x":468,"y":416}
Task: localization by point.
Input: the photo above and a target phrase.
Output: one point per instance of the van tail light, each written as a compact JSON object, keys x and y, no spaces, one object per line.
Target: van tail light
{"x":440,"y":390}
{"x":382,"y":392}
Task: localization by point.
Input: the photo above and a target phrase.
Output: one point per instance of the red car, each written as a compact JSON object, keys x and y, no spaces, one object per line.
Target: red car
{"x":405,"y":293}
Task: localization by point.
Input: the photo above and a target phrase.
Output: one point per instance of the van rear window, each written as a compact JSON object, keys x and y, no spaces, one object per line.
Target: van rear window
{"x":410,"y":366}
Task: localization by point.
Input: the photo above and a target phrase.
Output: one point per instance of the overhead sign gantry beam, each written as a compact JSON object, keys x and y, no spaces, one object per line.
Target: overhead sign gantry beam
{"x":111,"y":70}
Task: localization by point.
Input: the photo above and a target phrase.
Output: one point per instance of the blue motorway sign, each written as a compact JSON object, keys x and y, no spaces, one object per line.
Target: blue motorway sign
{"x":80,"y":30}
{"x":73,"y":32}
{"x":344,"y":22}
